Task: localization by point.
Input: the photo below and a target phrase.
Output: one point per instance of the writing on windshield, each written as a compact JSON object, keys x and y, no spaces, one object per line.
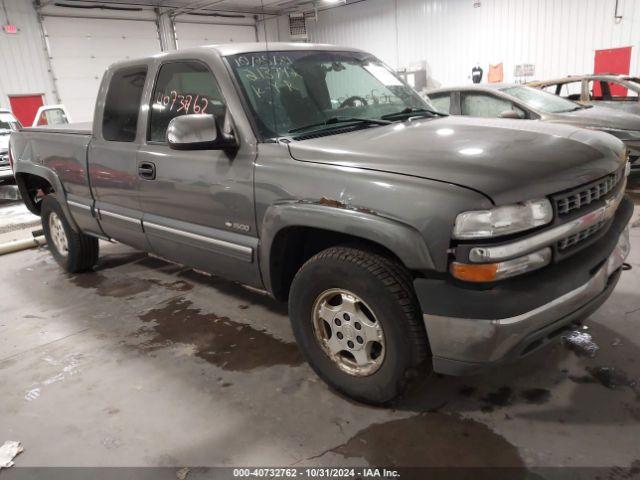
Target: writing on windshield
{"x":288,"y":90}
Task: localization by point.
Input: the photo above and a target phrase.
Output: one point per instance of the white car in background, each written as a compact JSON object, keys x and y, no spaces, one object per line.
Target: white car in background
{"x":8,"y":124}
{"x":48,"y":115}
{"x":51,"y":115}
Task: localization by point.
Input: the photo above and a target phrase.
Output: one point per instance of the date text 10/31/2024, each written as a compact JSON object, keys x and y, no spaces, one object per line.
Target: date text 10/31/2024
{"x":316,"y":472}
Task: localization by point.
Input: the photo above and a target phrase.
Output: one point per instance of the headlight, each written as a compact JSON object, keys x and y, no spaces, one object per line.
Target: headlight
{"x":503,"y":220}
{"x":619,"y":133}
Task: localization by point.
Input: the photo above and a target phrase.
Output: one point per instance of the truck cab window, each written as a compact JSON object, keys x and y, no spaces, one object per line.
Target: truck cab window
{"x":183,"y":88}
{"x":120,"y":118}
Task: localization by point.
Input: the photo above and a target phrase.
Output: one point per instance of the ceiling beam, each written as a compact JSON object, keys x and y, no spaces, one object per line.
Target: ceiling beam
{"x":198,"y":6}
{"x":171,"y":5}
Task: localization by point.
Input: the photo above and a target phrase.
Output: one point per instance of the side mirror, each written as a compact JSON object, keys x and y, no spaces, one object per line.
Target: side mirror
{"x":510,"y":114}
{"x":198,"y":132}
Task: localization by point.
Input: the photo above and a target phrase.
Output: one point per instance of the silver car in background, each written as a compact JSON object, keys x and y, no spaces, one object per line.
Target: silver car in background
{"x":621,"y":92}
{"x":501,"y":100}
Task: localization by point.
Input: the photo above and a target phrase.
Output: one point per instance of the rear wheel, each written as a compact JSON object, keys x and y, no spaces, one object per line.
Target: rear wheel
{"x":75,"y":252}
{"x":357,"y":321}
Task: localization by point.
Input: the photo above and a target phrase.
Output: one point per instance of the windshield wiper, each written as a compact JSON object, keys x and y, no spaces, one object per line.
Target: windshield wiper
{"x":412,"y":111}
{"x":335,"y":120}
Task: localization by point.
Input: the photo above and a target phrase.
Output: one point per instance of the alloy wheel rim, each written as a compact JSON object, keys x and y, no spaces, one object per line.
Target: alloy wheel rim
{"x":58,"y":234}
{"x":348,"y":332}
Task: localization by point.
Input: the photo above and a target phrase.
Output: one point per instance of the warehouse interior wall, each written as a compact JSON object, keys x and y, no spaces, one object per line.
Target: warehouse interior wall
{"x":273,"y":29}
{"x":63,"y":52}
{"x":24,"y":67}
{"x":559,"y":37}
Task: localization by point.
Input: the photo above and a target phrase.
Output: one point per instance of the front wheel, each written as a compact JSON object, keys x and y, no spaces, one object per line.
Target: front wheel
{"x":357,"y":321}
{"x":75,"y":252}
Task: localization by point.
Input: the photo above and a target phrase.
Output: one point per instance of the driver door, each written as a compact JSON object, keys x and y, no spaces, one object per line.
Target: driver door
{"x":197,"y":205}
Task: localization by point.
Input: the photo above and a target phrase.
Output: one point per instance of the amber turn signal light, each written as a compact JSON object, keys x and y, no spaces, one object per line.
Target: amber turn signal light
{"x":490,"y":272}
{"x":482,"y":272}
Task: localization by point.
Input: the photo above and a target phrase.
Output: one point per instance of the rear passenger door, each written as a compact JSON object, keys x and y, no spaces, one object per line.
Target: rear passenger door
{"x":198,"y":204}
{"x":112,"y":155}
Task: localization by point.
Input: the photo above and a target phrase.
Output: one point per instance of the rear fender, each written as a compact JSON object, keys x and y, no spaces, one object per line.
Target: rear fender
{"x":28,"y":167}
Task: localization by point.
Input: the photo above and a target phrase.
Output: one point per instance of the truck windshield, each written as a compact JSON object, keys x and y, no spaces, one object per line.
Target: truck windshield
{"x":310,"y":90}
{"x":540,"y":100}
{"x":8,"y":123}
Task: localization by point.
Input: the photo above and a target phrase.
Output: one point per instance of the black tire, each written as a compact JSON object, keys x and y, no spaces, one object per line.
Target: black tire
{"x":82,"y":250}
{"x":386,"y":288}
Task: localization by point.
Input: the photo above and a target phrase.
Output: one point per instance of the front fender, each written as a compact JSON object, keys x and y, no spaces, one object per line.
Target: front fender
{"x":401,"y":239}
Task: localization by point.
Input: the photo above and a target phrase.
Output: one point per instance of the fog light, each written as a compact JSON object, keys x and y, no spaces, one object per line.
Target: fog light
{"x":490,"y":272}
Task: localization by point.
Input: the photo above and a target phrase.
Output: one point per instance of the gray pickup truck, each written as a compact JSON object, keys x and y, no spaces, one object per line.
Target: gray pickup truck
{"x":405,"y":240}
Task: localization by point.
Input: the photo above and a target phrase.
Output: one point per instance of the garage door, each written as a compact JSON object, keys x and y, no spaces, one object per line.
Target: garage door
{"x":81,"y":50}
{"x":195,"y":34}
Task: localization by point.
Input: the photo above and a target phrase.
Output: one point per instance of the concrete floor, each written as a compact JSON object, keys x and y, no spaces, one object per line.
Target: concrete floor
{"x":16,"y":222}
{"x":145,"y":363}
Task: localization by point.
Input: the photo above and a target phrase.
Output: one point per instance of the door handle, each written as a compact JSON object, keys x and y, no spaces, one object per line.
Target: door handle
{"x":147,"y":170}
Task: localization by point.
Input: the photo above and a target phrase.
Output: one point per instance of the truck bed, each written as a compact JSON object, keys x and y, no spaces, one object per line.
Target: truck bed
{"x":79,"y":128}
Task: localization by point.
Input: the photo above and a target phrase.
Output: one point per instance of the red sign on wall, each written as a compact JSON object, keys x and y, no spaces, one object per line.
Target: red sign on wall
{"x":612,"y":60}
{"x":25,"y":107}
{"x":11,"y":29}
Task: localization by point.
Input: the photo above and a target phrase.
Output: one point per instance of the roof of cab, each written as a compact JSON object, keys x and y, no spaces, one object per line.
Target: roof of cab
{"x":225,"y":49}
{"x":239,"y":48}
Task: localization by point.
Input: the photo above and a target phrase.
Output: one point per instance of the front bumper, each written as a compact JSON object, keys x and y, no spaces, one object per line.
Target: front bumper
{"x":471,"y":329}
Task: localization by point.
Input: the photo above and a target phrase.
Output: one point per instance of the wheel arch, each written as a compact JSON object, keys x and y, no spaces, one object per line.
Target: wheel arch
{"x":294,"y":232}
{"x":31,"y":179}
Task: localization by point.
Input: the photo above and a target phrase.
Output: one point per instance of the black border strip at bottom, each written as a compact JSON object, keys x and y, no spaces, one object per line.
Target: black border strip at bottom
{"x":324,"y":472}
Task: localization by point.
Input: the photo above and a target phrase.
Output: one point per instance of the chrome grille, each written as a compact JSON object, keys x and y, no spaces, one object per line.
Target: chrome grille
{"x":583,"y":196}
{"x":576,"y":238}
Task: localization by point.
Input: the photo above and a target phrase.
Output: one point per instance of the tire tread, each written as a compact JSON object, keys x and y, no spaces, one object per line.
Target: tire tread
{"x":398,"y":282}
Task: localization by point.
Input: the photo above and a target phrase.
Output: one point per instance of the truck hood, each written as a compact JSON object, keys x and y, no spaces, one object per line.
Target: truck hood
{"x":506,"y":160}
{"x":596,"y":116}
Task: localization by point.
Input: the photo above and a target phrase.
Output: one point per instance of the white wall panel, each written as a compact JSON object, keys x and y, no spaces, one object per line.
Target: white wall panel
{"x":82,"y":48}
{"x":194,"y":34}
{"x":558,"y":36}
{"x":24,"y":67}
{"x":274,"y":29}
{"x":369,"y":25}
